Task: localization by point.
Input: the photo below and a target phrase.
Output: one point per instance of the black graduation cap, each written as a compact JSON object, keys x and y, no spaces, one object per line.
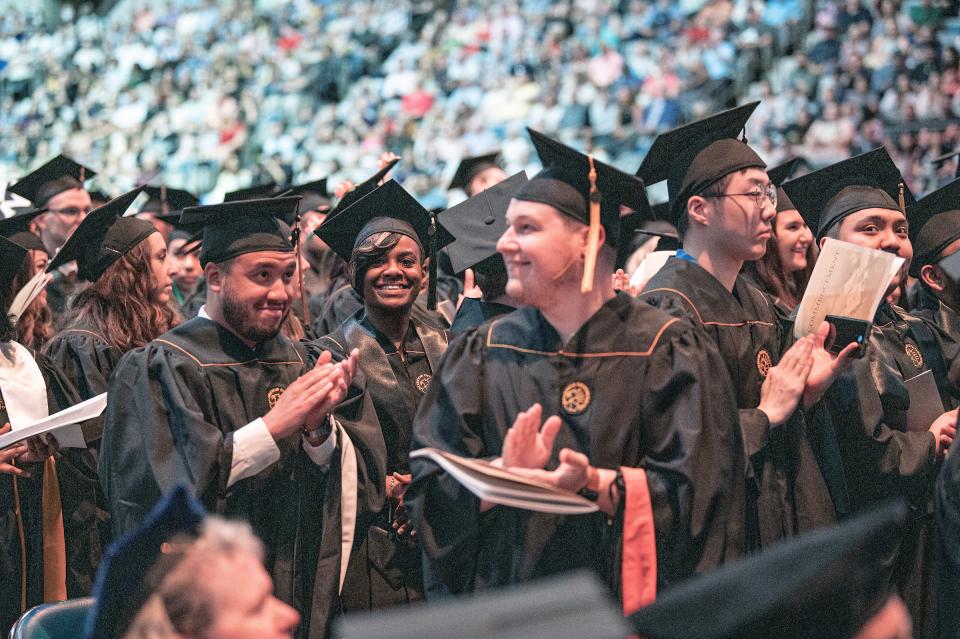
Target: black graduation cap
{"x":585,"y":189}
{"x":940,"y":159}
{"x":364,"y":188}
{"x":11,"y":261}
{"x":244,"y":226}
{"x":314,"y":194}
{"x":826,"y":583}
{"x":103,"y":237}
{"x":564,"y":183}
{"x":471,"y":167}
{"x":694,"y":156}
{"x":572,"y":606}
{"x":934,"y":224}
{"x":388,"y":208}
{"x":28,"y":240}
{"x":780,"y":174}
{"x":97,"y":195}
{"x":870,"y":180}
{"x":18,"y":222}
{"x":167,"y":203}
{"x":122,"y":587}
{"x":478,"y":223}
{"x":56,"y":176}
{"x":257,"y":192}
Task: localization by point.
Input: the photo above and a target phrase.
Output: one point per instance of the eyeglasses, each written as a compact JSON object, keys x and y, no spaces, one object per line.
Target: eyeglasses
{"x":71,"y":211}
{"x":758,"y":194}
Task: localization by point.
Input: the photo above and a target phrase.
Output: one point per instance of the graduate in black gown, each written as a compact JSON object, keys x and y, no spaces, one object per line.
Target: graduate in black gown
{"x":477,"y":224}
{"x":635,"y":414}
{"x":57,"y":189}
{"x":935,"y":236}
{"x":722,"y":203}
{"x":384,"y":238}
{"x":862,"y":201}
{"x":34,"y":558}
{"x":229,"y":406}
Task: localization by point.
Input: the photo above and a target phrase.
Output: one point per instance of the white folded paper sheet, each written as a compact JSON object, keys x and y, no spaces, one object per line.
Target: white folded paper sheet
{"x":500,"y":486}
{"x":848,"y":280}
{"x":65,"y":425}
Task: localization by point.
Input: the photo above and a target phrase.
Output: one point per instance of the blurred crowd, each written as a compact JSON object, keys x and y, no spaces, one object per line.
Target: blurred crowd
{"x":221,"y":95}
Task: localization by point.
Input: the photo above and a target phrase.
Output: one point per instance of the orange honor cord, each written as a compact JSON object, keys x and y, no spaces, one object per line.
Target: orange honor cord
{"x":639,"y":564}
{"x":593,"y":237}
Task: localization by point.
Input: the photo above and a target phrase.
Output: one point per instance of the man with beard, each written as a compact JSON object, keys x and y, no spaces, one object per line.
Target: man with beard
{"x":632,"y":411}
{"x":935,"y":235}
{"x":862,"y":201}
{"x":227,"y":404}
{"x":57,"y":189}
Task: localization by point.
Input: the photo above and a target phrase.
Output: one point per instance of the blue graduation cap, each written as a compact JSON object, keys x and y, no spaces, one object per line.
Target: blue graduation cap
{"x":121,"y":587}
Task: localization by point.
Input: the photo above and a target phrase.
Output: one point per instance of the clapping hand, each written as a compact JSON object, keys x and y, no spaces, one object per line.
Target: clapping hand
{"x":470,"y":289}
{"x":527,"y":445}
{"x":826,"y":366}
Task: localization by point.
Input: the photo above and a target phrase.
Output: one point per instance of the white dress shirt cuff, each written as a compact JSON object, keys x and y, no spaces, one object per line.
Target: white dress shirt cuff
{"x":253,"y":451}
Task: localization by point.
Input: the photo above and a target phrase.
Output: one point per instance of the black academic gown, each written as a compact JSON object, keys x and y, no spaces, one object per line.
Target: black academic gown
{"x":385,"y":570}
{"x":634,"y":387}
{"x":86,"y":359}
{"x":174,"y":406}
{"x":60,"y":291}
{"x":21,"y":510}
{"x":192,"y":304}
{"x":473,"y":312}
{"x":948,"y":522}
{"x":344,"y":302}
{"x":882,"y":459}
{"x":786,"y":489}
{"x":933,"y":310}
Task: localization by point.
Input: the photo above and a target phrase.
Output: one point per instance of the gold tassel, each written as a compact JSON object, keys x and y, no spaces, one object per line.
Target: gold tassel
{"x":164,"y":207}
{"x":297,"y":232}
{"x":54,"y":546}
{"x":83,"y":174}
{"x":903,"y":203}
{"x":593,"y":236}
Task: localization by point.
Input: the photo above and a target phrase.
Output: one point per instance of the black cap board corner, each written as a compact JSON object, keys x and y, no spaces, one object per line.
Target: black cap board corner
{"x":231,"y":229}
{"x":470,"y":167}
{"x":825,"y":583}
{"x":166,"y":202}
{"x":103,"y":237}
{"x":574,"y":605}
{"x":58,"y":175}
{"x":12,"y":255}
{"x":256,"y":192}
{"x":934,"y":225}
{"x":121,"y":587}
{"x":869,"y":180}
{"x":364,"y":188}
{"x":478,"y":222}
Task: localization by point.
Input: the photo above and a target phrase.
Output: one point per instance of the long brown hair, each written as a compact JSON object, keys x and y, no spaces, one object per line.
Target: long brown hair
{"x":122,"y":303}
{"x":35,"y":325}
{"x":770,"y":275}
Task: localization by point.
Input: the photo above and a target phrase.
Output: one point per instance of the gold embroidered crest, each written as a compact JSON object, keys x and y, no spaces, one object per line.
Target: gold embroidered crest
{"x":764,"y":363}
{"x":914,"y":353}
{"x":273,"y":395}
{"x":423,"y":381}
{"x":575,"y":398}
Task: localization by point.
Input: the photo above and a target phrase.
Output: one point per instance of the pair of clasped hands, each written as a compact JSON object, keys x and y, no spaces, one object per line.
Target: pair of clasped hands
{"x":305,"y":404}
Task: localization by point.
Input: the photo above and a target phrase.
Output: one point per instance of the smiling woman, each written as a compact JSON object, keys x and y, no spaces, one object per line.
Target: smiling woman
{"x":383,"y":237}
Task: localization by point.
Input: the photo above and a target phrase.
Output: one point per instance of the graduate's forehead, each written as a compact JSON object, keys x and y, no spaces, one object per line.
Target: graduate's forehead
{"x":879,"y":216}
{"x":263,"y":259}
{"x":526,"y":210}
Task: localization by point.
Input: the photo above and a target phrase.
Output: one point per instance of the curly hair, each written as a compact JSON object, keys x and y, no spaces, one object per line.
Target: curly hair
{"x":35,"y":326}
{"x":123,"y":304}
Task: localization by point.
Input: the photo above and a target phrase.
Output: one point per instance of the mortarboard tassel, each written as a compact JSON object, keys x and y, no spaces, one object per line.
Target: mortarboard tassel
{"x":83,"y":174}
{"x":432,"y":255}
{"x":593,"y":236}
{"x":903,"y":204}
{"x":295,"y":238}
{"x":164,"y":206}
